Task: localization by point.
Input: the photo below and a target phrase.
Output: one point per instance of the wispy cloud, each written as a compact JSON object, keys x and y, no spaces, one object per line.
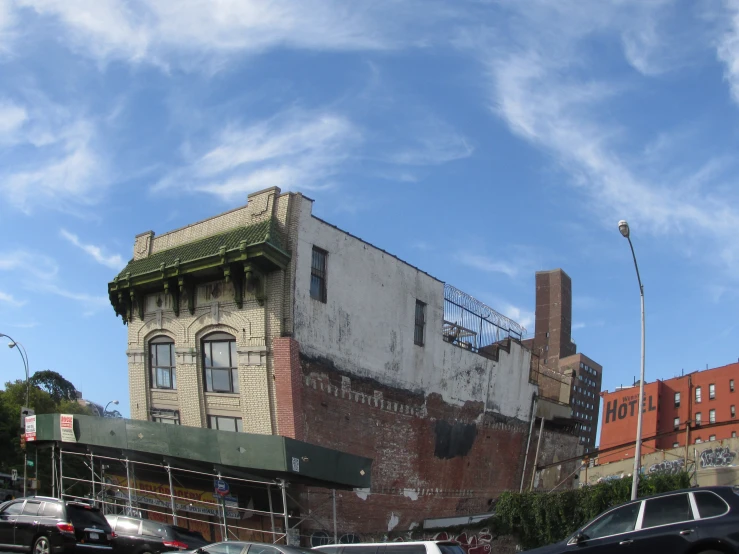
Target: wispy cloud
{"x":90,"y":302}
{"x":54,"y":161}
{"x":295,"y":149}
{"x":432,"y":142}
{"x":488,"y":264}
{"x":113,"y":261}
{"x":189,"y":32}
{"x":727,"y":48}
{"x":10,"y":299}
{"x":519,"y":315}
{"x":539,"y":88}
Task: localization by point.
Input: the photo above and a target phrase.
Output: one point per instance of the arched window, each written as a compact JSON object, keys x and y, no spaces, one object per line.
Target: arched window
{"x":162,"y":363}
{"x":220,"y":363}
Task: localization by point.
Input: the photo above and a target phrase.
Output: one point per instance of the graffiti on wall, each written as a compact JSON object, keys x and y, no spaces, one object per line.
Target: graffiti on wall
{"x":717,"y":457}
{"x":668,"y":466}
{"x":473,"y":543}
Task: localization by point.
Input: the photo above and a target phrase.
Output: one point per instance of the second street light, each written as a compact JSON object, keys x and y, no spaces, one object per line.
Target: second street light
{"x":24,"y":356}
{"x":623,"y":227}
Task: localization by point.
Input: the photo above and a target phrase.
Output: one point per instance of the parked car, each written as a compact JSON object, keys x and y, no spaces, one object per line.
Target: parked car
{"x":45,"y":525}
{"x":241,"y":547}
{"x":697,"y":521}
{"x":414,"y":547}
{"x":144,"y":536}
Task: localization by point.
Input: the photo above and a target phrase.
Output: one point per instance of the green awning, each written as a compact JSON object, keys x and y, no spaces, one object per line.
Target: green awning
{"x":266,"y":455}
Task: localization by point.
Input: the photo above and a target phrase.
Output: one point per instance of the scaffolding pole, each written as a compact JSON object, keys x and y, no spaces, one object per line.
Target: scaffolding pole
{"x":171,"y":496}
{"x":61,"y":473}
{"x":53,"y":470}
{"x":333,"y":497}
{"x":283,"y":487}
{"x":128,"y":486}
{"x":271,"y":513}
{"x":92,"y":471}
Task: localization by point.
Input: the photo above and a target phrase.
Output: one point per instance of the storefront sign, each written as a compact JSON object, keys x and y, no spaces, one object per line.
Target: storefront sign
{"x":30,"y":428}
{"x":187,"y":500}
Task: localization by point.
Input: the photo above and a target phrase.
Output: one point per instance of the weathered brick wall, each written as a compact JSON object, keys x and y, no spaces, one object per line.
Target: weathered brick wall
{"x":288,"y":388}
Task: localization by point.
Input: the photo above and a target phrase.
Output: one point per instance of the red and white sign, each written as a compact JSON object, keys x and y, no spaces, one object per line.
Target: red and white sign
{"x":66,"y":425}
{"x":31,"y":428}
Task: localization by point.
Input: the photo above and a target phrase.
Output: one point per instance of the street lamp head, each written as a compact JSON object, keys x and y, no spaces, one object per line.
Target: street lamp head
{"x":623,"y":226}
{"x":11,"y":344}
{"x":115,"y":402}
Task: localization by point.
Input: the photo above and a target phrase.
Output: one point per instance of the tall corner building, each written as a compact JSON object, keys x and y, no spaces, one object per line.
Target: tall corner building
{"x":557,"y":353}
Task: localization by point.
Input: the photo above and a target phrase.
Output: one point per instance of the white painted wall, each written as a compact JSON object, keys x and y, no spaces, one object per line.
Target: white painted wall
{"x":366,"y":327}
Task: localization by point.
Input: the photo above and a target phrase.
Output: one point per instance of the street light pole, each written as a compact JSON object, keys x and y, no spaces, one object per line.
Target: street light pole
{"x":24,"y":356}
{"x":105,"y":410}
{"x":623,"y":227}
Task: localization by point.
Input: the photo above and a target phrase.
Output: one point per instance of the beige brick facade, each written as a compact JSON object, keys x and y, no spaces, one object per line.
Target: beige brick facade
{"x":254,"y":327}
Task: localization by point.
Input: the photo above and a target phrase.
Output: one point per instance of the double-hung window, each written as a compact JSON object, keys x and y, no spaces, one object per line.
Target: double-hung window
{"x":223,"y":423}
{"x":677,"y":399}
{"x":711,"y":392}
{"x":220,"y":363}
{"x":162,"y":363}
{"x":712,"y":416}
{"x":697,"y":395}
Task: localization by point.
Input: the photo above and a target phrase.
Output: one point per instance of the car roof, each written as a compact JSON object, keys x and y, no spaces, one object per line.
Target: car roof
{"x":379,"y":543}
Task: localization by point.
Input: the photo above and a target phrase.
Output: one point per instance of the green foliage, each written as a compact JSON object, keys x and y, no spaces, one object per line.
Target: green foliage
{"x":57,"y":386}
{"x":538,"y":519}
{"x":48,"y":393}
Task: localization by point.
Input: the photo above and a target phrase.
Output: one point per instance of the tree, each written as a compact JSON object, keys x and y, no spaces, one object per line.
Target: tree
{"x":57,"y":386}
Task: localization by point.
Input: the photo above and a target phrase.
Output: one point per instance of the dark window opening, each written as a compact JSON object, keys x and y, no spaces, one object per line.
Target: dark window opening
{"x":162,"y":363}
{"x":318,"y":275}
{"x":420,"y":325}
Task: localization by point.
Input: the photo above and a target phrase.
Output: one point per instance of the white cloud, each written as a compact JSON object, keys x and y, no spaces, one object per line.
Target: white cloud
{"x":488,"y":264}
{"x":89,"y":302}
{"x":541,"y":88}
{"x":113,"y":261}
{"x":31,"y":264}
{"x":432,"y":142}
{"x":12,"y":118}
{"x":727,"y":49}
{"x":295,"y":149}
{"x":10,"y":299}
{"x":50,"y":157}
{"x":521,"y":316}
{"x":193,"y":30}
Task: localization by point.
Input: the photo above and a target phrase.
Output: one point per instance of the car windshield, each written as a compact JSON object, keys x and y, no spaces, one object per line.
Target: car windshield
{"x":450,"y":548}
{"x":81,"y":516}
{"x":193,"y":539}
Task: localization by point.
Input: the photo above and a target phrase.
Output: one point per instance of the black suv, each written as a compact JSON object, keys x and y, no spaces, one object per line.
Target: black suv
{"x":696,"y":521}
{"x":140,"y":536}
{"x":46,"y":525}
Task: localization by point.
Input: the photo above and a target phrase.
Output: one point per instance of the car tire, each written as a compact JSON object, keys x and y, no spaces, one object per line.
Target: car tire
{"x":41,"y":545}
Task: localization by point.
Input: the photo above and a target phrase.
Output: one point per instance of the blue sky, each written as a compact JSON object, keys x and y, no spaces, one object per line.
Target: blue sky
{"x":479,"y":140}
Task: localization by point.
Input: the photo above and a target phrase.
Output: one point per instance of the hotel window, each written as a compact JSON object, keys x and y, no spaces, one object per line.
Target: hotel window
{"x":420,"y":326}
{"x":731,"y":385}
{"x":733,"y":434}
{"x":677,"y":399}
{"x":698,"y":418}
{"x":711,"y":392}
{"x":318,"y":274}
{"x":676,"y":423}
{"x":698,"y":440}
{"x":675,"y":444}
{"x":697,"y":395}
{"x":162,"y":363}
{"x":220,"y":363}
{"x":712,"y":416}
{"x":223,"y":423}
{"x":733,"y":411}
{"x":712,"y":438}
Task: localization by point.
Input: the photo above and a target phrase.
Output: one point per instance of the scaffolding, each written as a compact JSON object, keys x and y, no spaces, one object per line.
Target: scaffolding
{"x":132,"y":499}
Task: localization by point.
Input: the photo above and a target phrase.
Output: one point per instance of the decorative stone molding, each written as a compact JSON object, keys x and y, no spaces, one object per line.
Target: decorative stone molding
{"x":186,"y":356}
{"x":252,"y":355}
{"x":136,"y":355}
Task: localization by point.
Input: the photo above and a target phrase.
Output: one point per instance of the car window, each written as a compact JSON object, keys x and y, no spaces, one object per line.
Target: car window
{"x":329,"y":549}
{"x":225,"y":548}
{"x":666,"y":510}
{"x":127,"y":526}
{"x":709,"y":504}
{"x":51,"y":509}
{"x":82,"y":517}
{"x":31,"y":508}
{"x":449,"y":548}
{"x":399,"y":548}
{"x":154,"y":529}
{"x":13,"y":509}
{"x":193,"y":539}
{"x":615,"y":522}
{"x":262,"y":549}
{"x":350,"y":549}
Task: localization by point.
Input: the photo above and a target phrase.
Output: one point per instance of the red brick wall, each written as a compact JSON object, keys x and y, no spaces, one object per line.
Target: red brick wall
{"x":288,"y":387}
{"x":415,"y":474}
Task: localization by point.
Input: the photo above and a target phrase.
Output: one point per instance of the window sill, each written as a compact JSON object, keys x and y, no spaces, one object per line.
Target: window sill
{"x":218,"y":393}
{"x":160,"y":389}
